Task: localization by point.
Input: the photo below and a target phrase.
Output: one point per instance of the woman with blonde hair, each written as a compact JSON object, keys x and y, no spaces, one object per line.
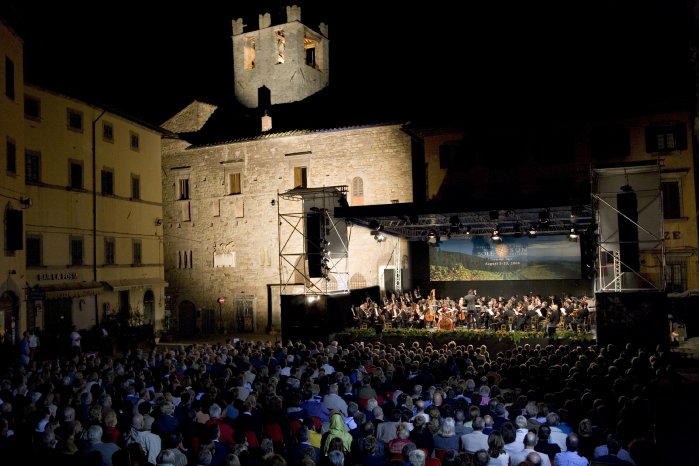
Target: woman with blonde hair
{"x":446,"y":438}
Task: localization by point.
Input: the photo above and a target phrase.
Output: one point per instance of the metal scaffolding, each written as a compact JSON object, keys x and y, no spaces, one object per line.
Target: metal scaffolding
{"x":301,"y":245}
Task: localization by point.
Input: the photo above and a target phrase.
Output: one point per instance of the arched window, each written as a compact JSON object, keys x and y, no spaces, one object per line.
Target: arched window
{"x":357,"y":191}
{"x":357,"y":281}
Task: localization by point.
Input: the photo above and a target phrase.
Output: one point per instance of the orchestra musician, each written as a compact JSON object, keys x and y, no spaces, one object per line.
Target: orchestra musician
{"x":472,"y":316}
{"x":461,"y":313}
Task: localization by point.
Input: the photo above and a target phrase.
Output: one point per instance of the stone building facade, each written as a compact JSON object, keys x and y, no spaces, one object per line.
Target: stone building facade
{"x":224,"y":227}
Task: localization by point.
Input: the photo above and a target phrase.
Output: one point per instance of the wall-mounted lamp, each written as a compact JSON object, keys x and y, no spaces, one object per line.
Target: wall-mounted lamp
{"x":273,"y":202}
{"x":158,"y":222}
{"x":26,"y":202}
{"x":12,"y":272}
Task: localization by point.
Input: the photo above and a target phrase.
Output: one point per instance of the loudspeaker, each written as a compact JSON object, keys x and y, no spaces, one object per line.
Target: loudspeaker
{"x":15,"y":230}
{"x":627,"y":206}
{"x":314,"y":233}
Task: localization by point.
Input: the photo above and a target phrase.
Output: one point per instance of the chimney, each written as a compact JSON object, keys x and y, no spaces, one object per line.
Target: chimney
{"x":266,"y":122}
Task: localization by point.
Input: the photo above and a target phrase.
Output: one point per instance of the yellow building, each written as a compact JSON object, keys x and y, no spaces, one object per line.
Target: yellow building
{"x":12,"y":192}
{"x":93,"y":233}
{"x":663,"y":140}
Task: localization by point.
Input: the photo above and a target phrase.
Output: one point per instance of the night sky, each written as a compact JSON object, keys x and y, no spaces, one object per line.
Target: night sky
{"x":499,"y":59}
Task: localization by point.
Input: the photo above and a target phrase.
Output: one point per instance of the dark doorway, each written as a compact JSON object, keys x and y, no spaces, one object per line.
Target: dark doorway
{"x":187,"y":319}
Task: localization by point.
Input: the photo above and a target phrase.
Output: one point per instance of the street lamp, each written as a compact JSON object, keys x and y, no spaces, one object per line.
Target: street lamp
{"x":220,"y":302}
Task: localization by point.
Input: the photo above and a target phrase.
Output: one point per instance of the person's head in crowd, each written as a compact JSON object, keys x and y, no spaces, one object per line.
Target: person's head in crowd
{"x":416,"y":457}
{"x":448,"y":427}
{"x":496,"y":444}
{"x":534,"y":458}
{"x":369,"y":446}
{"x":478,"y":424}
{"x":585,"y":428}
{"x":405,"y":451}
{"x":276,"y":460}
{"x":231,"y":459}
{"x":521,"y":422}
{"x":481,"y":458}
{"x":336,"y":458}
{"x":553,"y":420}
{"x":572,"y":442}
{"x":529,"y":440}
{"x":643,"y":452}
{"x":508,"y":431}
{"x":544,"y":432}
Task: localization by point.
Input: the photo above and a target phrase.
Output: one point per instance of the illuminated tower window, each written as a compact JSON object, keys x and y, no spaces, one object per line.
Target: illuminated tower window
{"x":249,"y":53}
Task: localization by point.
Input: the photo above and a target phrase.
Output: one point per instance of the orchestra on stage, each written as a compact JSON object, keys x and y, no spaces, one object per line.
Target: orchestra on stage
{"x":472,"y":311}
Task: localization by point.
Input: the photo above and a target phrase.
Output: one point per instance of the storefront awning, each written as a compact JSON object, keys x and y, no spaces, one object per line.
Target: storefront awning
{"x":72,"y":289}
{"x":128,"y":283}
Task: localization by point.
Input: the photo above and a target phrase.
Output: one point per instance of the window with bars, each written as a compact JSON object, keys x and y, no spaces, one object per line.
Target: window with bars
{"x":134,"y":141}
{"x":182,"y":189}
{"x":107,"y":131}
{"x":675,"y":274}
{"x":357,"y":281}
{"x":136,"y":260}
{"x":135,"y":187}
{"x":32,"y":167}
{"x":109,"y":251}
{"x":76,"y":250}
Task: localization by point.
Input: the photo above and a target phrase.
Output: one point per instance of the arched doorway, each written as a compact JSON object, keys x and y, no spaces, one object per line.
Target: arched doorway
{"x":9,"y":317}
{"x":149,"y":307}
{"x":187,"y":318}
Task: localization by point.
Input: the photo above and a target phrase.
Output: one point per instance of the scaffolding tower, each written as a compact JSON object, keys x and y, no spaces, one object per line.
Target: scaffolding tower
{"x":313,"y":244}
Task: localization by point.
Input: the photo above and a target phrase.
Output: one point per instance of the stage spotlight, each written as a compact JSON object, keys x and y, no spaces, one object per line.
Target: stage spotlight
{"x":342,"y":200}
{"x":432,"y":236}
{"x":544,"y":217}
{"x":468,"y":230}
{"x":380,"y":237}
{"x":496,"y":235}
{"x":374,"y":224}
{"x":573,"y":235}
{"x":532,"y":231}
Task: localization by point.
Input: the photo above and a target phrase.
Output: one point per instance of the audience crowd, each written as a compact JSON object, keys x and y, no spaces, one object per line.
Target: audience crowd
{"x":256,"y":403}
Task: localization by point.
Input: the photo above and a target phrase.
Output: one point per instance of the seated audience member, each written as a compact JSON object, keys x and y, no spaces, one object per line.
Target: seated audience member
{"x":612,"y":447}
{"x":476,"y":440}
{"x":543,"y":445}
{"x":571,"y":457}
{"x":529,"y":443}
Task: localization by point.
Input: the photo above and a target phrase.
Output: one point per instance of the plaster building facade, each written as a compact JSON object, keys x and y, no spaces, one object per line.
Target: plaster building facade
{"x":12,"y":190}
{"x":93,"y":236}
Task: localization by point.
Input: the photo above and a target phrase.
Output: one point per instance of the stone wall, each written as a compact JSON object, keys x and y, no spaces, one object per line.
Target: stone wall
{"x":244,"y":231}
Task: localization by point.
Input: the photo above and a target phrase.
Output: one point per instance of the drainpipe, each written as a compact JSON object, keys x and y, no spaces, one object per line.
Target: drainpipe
{"x":94,"y":209}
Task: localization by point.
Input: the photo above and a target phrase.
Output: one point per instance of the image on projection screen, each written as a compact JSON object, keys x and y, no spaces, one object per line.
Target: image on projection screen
{"x":480,"y":258}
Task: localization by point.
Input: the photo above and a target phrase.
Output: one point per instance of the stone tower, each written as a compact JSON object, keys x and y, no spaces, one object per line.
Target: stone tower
{"x":288,"y":62}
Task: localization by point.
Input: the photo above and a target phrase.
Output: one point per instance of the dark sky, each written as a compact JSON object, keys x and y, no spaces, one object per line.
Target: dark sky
{"x":504,"y":58}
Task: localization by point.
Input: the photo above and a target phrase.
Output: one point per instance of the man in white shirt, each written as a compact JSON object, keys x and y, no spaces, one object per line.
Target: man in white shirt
{"x":529,"y":444}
